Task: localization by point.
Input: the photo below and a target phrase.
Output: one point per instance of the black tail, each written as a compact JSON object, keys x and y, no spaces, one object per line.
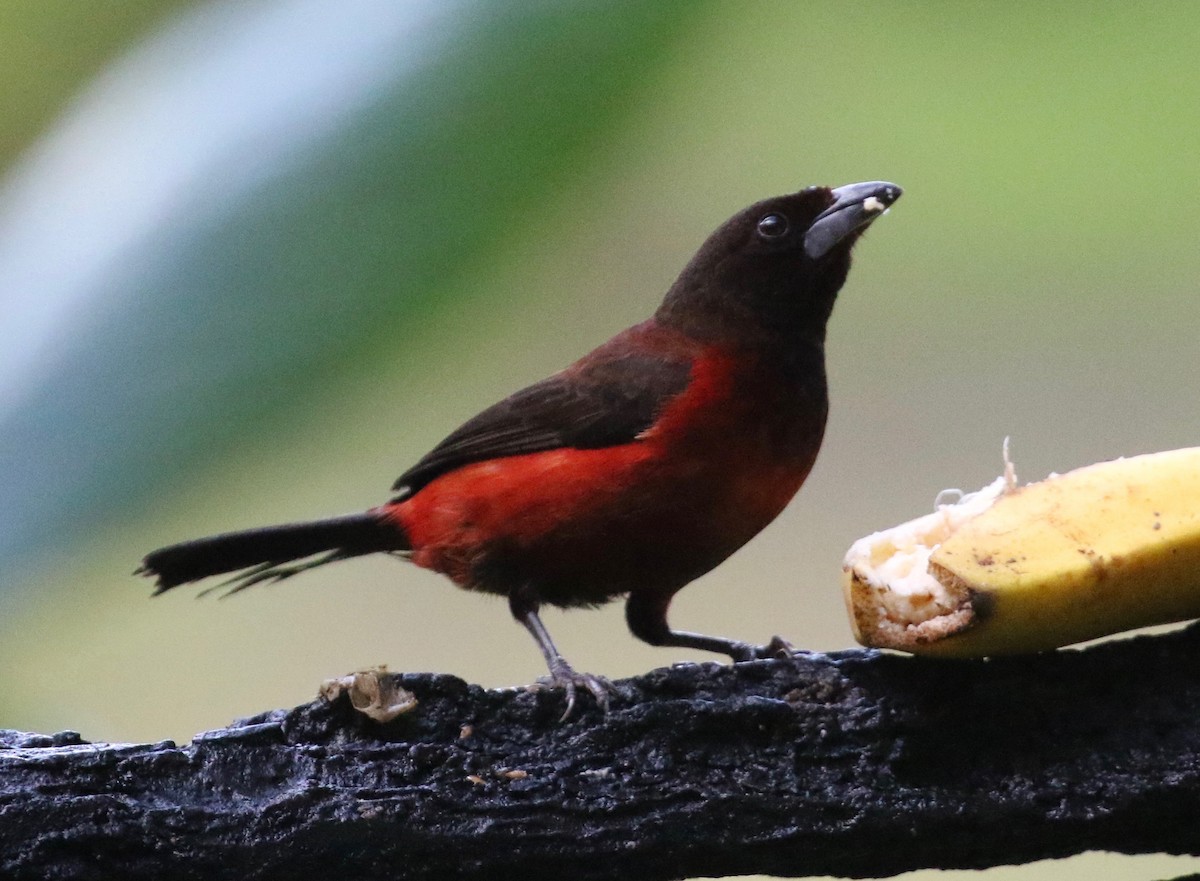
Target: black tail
{"x":268,"y":548}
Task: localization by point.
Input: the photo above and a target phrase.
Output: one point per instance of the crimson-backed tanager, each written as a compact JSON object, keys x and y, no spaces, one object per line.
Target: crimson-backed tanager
{"x":633,"y":471}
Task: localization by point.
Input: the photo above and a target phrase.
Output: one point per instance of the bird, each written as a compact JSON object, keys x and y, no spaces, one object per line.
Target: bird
{"x":631,"y":472}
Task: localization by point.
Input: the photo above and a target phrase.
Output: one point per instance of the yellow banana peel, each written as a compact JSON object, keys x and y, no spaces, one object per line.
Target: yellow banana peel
{"x":1014,"y":569}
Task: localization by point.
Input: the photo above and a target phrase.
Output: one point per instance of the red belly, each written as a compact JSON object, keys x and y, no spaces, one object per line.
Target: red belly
{"x":583,"y":526}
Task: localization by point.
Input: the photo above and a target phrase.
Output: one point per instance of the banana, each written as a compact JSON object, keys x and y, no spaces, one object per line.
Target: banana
{"x":1014,"y":569}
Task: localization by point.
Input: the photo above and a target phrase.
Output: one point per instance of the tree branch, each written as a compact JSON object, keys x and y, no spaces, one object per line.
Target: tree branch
{"x":853,"y":764}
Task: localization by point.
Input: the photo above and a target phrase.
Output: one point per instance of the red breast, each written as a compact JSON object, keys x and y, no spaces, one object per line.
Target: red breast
{"x":722,"y":460}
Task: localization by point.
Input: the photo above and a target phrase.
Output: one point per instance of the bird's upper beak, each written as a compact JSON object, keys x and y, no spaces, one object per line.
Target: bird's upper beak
{"x":854,"y":206}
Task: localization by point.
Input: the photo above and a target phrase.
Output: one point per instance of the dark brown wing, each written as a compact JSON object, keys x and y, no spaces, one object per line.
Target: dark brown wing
{"x":598,"y":403}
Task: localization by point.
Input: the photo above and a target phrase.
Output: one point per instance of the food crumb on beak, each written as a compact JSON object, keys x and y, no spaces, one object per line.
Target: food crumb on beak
{"x":872,"y":204}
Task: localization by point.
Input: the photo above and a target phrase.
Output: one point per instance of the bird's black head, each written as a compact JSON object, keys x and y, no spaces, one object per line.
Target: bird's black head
{"x":775,"y":267}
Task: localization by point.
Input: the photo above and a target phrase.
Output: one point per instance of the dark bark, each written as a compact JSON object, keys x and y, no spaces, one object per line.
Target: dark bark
{"x":854,"y":764}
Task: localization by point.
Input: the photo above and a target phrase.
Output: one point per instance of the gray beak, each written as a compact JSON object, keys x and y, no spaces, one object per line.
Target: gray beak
{"x":854,"y":206}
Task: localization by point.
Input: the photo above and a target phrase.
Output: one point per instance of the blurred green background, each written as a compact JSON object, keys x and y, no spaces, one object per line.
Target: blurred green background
{"x":257,"y":257}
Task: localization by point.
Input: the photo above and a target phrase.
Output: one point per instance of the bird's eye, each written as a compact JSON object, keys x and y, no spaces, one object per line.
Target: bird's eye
{"x":773,"y":226}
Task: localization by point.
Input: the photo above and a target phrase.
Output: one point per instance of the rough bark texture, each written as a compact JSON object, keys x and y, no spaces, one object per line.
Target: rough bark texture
{"x":854,"y":764}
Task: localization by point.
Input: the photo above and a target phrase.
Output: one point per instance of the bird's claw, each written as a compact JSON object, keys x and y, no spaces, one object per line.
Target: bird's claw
{"x":777,"y":647}
{"x":563,"y":675}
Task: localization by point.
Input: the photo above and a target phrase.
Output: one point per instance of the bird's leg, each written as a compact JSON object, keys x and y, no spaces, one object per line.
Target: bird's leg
{"x":646,"y":615}
{"x":562,"y":674}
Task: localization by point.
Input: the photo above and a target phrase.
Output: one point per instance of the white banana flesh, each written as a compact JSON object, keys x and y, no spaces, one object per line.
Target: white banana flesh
{"x":1009,"y":570}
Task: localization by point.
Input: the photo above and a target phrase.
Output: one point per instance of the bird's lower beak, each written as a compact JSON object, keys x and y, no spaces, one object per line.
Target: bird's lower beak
{"x":854,"y":206}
